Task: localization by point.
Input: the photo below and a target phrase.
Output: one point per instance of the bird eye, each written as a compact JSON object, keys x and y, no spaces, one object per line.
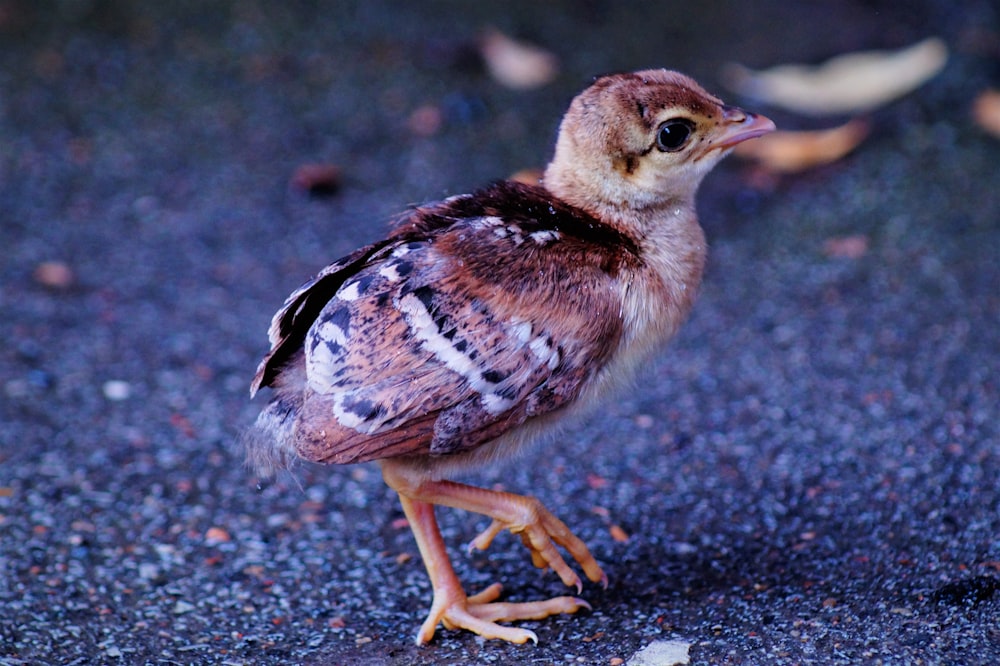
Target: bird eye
{"x":673,"y":134}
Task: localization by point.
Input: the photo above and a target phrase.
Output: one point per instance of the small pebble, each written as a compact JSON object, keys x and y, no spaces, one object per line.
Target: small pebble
{"x":645,"y":421}
{"x":148,"y":571}
{"x":182,"y":607}
{"x":117,"y":390}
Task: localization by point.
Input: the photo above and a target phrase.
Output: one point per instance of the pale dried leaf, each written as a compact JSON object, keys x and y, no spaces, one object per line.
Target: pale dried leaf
{"x":529,"y":176}
{"x":849,"y":83}
{"x":517,"y":64}
{"x":846,"y":247}
{"x":425,"y":120}
{"x":986,"y":111}
{"x":618,"y":534}
{"x":319,"y":179}
{"x":794,"y":151}
{"x":217,"y":535}
{"x":54,"y":274}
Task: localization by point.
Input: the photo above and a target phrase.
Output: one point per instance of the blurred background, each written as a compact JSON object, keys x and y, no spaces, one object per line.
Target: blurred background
{"x":808,"y":474}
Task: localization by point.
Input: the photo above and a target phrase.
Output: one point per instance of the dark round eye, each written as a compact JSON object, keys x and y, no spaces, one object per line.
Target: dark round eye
{"x":673,"y":134}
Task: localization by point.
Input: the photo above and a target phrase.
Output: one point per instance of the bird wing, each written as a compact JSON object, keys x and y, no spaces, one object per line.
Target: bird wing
{"x":437,"y":342}
{"x":290,"y":323}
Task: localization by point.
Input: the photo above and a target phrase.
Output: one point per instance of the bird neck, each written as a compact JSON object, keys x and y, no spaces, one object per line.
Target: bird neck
{"x":615,"y":200}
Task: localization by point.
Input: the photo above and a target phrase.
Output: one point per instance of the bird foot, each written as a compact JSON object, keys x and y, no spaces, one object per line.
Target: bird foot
{"x":480,"y":614}
{"x":540,"y":531}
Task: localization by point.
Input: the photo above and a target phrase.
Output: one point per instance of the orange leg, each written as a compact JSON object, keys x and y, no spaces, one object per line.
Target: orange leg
{"x":539,"y":530}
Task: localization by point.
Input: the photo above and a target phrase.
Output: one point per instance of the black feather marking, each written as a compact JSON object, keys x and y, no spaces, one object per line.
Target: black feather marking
{"x":298,"y":315}
{"x":425,"y":295}
{"x":495,"y":376}
{"x":341,"y":318}
{"x":364,"y":281}
{"x":364,"y":409}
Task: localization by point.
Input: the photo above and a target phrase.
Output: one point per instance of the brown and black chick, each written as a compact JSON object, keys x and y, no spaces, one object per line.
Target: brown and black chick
{"x":487,"y":320}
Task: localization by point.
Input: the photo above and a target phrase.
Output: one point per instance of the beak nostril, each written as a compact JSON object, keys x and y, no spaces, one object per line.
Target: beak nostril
{"x":734,"y":114}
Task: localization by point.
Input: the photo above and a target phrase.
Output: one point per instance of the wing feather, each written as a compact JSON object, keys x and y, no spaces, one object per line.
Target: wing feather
{"x":412,"y":347}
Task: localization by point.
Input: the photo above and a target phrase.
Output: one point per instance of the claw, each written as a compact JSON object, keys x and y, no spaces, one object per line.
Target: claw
{"x":539,"y":530}
{"x":485,"y":538}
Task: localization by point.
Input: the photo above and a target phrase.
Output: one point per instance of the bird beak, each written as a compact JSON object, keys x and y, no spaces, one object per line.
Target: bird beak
{"x":739,"y":125}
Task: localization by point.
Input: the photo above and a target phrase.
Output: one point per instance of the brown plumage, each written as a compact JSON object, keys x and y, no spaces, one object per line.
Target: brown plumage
{"x":487,"y":319}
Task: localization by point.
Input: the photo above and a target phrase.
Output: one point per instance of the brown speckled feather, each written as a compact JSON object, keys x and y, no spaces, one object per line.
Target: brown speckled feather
{"x":409,"y":347}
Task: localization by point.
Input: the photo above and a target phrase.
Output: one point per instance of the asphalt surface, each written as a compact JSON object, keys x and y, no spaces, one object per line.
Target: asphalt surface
{"x":808,"y":475}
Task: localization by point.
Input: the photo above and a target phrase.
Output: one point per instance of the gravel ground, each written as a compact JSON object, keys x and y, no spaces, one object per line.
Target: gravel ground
{"x":808,"y":476}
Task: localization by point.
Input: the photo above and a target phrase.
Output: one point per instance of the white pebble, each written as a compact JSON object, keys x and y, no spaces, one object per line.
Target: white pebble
{"x":182,"y":607}
{"x":117,"y":390}
{"x":662,"y":653}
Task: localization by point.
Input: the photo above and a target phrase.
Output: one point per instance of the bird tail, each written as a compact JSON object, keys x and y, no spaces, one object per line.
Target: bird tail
{"x":269,"y":442}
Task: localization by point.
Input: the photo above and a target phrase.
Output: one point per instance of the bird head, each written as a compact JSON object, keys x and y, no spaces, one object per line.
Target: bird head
{"x":643,"y":139}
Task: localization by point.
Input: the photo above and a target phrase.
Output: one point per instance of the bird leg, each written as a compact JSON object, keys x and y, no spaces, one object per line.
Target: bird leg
{"x":525,"y":516}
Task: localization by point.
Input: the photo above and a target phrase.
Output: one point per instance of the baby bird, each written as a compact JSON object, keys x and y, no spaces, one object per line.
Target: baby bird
{"x":485,"y":320}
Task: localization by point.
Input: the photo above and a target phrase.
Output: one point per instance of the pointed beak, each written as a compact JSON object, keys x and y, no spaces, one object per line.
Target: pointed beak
{"x":739,"y":125}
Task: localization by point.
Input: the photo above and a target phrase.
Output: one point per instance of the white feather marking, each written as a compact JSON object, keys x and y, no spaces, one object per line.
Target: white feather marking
{"x":522,"y":331}
{"x":424,"y":329}
{"x":322,"y":364}
{"x":427,"y":332}
{"x":545,"y":236}
{"x":347,"y":418}
{"x":541,"y":347}
{"x":349,"y":292}
{"x":389,"y":272}
{"x":545,"y":352}
{"x":516,"y":233}
{"x":555,"y":358}
{"x":496,"y":404}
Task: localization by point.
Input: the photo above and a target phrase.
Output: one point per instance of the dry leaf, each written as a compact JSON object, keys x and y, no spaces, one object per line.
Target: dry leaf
{"x":596,"y":482}
{"x":846,"y":84}
{"x":317,"y":179}
{"x":791,"y":152}
{"x":529,"y":176}
{"x":986,"y":111}
{"x":217,"y":535}
{"x":846,"y":247}
{"x":54,"y":274}
{"x":517,"y":64}
{"x":618,"y":534}
{"x":425,"y":120}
